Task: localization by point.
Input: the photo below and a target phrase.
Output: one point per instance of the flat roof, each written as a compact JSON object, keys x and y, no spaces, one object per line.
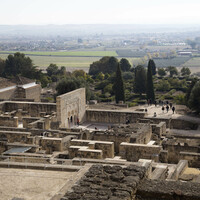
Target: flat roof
{"x":17,"y":150}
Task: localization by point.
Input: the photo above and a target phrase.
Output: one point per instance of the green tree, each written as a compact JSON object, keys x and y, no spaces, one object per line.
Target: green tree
{"x":2,"y":66}
{"x":119,"y":86}
{"x":52,"y":69}
{"x":140,"y":80}
{"x":150,"y":87}
{"x":172,"y":71}
{"x":67,"y":85}
{"x":189,"y":89}
{"x":125,"y":65}
{"x":163,"y":85}
{"x":161,"y":72}
{"x":153,"y":66}
{"x":79,"y":73}
{"x":185,"y":71}
{"x":105,"y":65}
{"x":19,"y":64}
{"x":194,"y":100}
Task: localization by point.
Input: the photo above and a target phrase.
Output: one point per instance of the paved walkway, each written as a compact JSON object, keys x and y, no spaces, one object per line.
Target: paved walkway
{"x":159,"y":113}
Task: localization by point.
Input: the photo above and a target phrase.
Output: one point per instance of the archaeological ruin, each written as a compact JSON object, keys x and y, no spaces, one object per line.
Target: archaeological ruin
{"x":69,"y":150}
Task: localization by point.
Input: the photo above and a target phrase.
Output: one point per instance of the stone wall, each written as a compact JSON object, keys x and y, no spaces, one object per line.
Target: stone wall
{"x":33,"y":92}
{"x":8,"y":94}
{"x":71,"y":108}
{"x":134,"y":152}
{"x":183,"y":124}
{"x":34,"y":109}
{"x":112,"y":116}
{"x":51,"y":144}
{"x":107,"y":148}
{"x":167,"y":190}
{"x":14,"y":136}
{"x":9,"y":121}
{"x":108,"y":182}
{"x":133,"y":133}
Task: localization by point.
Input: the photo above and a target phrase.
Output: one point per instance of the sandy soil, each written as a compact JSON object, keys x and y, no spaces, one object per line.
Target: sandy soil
{"x":31,"y":184}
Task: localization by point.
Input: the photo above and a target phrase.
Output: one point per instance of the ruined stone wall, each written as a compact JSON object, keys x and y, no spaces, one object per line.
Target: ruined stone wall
{"x":106,"y":147}
{"x":12,"y":136}
{"x":108,"y":182}
{"x":70,"y":107}
{"x":51,"y":144}
{"x":174,"y":152}
{"x":33,"y":92}
{"x":111,"y":116}
{"x":167,"y":190}
{"x":8,"y":94}
{"x":27,"y":120}
{"x":183,"y":124}
{"x":134,"y":152}
{"x":84,"y":152}
{"x":157,"y":120}
{"x":117,"y":139}
{"x":9,"y":121}
{"x":34,"y":109}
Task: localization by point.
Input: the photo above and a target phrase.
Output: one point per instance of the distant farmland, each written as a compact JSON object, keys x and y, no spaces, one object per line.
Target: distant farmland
{"x":71,"y":60}
{"x":66,"y":53}
{"x":82,"y":59}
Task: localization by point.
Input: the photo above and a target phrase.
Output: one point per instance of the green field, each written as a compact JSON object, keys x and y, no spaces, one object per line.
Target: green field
{"x":193,"y":62}
{"x":70,"y":63}
{"x":66,"y":53}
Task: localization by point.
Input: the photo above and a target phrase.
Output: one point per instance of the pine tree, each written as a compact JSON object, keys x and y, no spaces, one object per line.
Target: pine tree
{"x":150,"y":87}
{"x":119,"y":86}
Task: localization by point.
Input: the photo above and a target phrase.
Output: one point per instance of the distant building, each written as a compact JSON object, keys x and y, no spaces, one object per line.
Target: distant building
{"x":19,"y":88}
{"x":185,"y":53}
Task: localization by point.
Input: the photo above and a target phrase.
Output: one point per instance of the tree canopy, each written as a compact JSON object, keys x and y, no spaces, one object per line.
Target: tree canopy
{"x":172,"y":71}
{"x":185,"y":71}
{"x":105,"y":65}
{"x":19,"y":64}
{"x":125,"y":65}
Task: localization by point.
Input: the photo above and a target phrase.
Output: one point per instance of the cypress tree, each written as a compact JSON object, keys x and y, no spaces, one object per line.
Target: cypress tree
{"x":139,"y":85}
{"x":153,"y":66}
{"x":119,"y":86}
{"x":150,"y":87}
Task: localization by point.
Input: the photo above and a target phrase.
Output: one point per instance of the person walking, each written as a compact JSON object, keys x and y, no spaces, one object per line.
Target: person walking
{"x":167,"y":108}
{"x":163,"y":109}
{"x":173,"y":109}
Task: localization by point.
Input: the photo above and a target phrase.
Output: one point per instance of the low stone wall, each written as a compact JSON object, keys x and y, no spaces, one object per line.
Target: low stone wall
{"x":14,"y":136}
{"x":51,"y":144}
{"x":183,"y":124}
{"x":134,"y":152}
{"x":157,"y":120}
{"x":34,"y":109}
{"x":107,"y":148}
{"x":9,"y":121}
{"x":167,"y":190}
{"x":172,"y":153}
{"x":112,"y":116}
{"x":108,"y":182}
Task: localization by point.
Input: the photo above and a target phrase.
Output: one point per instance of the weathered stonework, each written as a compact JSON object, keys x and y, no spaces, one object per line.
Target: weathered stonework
{"x":71,"y":108}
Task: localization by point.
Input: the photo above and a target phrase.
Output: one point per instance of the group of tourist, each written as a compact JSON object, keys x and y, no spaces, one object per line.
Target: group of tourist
{"x":167,"y":107}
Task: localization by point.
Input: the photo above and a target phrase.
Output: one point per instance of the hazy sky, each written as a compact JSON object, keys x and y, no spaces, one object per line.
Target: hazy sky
{"x":99,"y":11}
